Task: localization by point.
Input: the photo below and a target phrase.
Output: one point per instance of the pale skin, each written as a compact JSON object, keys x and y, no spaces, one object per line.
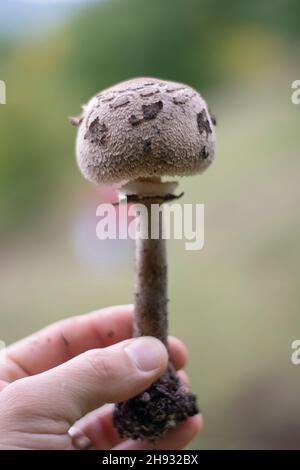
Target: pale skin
{"x":65,"y":375}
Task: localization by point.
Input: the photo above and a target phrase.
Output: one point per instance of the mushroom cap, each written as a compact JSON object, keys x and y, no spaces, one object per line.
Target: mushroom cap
{"x":144,"y":127}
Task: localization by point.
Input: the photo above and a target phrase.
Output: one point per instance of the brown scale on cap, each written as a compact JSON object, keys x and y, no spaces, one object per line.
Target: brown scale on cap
{"x":144,"y":127}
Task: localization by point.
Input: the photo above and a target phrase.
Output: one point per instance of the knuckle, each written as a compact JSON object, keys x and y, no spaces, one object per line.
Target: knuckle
{"x":17,"y":399}
{"x":100,"y":365}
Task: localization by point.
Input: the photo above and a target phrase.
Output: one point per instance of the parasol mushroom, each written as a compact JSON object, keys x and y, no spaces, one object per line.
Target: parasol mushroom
{"x":133,"y":134}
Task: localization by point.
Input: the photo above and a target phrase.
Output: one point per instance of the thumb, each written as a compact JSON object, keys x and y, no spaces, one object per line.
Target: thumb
{"x":98,"y":376}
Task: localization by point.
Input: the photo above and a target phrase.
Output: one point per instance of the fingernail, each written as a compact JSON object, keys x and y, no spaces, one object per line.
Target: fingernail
{"x":146,"y":353}
{"x":79,"y":440}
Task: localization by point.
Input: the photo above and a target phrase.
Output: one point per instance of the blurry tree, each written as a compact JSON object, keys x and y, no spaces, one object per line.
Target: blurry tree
{"x":194,"y":41}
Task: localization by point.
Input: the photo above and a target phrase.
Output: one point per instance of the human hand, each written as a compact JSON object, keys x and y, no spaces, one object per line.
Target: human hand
{"x":55,"y":384}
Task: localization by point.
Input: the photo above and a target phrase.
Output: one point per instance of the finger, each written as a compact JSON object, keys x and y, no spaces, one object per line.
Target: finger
{"x":68,"y":392}
{"x":79,"y":441}
{"x":99,"y":429}
{"x":3,"y":384}
{"x":98,"y":426}
{"x":176,"y":439}
{"x":184,"y":378}
{"x":178,"y":352}
{"x":66,"y":339}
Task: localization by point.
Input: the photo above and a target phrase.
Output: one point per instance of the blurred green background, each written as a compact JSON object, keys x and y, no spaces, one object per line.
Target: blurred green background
{"x":236,"y":302}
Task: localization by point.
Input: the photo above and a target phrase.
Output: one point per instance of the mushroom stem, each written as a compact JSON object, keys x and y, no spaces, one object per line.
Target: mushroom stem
{"x":150,"y":296}
{"x":166,"y":402}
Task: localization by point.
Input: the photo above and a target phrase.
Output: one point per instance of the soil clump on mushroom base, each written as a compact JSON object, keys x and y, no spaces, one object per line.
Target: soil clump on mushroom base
{"x":152,"y":413}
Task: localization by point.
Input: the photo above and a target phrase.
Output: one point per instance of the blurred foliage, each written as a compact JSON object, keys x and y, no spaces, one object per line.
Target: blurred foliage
{"x":206,"y":43}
